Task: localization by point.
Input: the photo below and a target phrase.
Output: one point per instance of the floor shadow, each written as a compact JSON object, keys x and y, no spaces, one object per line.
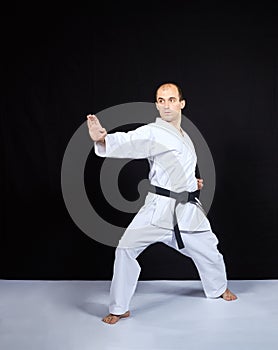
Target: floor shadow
{"x":170,"y":289}
{"x":94,"y":309}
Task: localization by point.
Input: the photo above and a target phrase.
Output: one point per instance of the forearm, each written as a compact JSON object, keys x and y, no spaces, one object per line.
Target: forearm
{"x":134,"y":144}
{"x":116,"y":145}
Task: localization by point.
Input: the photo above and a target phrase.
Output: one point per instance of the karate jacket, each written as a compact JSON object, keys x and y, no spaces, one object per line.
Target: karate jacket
{"x":172,"y":160}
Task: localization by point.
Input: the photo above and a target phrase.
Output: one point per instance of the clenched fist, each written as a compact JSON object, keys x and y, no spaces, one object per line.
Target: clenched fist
{"x":200,"y":183}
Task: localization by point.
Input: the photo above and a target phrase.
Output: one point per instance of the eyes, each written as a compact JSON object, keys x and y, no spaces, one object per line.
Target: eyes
{"x":171,"y":100}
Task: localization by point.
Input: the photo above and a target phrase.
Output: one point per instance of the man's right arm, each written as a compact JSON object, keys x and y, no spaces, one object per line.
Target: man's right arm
{"x":134,"y":144}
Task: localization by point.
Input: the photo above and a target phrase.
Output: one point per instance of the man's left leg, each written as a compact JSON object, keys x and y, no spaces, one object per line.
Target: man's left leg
{"x":201,"y":247}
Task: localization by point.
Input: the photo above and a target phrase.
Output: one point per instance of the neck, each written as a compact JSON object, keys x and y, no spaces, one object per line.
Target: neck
{"x":176,"y":124}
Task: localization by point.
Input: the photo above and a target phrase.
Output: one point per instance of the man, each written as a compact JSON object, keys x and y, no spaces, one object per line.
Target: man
{"x":171,"y":214}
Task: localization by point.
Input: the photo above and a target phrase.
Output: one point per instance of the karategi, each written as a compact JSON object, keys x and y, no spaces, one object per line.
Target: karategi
{"x":172,"y":162}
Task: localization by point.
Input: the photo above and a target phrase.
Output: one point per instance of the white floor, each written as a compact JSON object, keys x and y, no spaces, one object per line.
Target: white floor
{"x":66,"y":315}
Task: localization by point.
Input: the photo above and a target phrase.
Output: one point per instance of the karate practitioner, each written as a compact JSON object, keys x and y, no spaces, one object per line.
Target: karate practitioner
{"x":172,"y":212}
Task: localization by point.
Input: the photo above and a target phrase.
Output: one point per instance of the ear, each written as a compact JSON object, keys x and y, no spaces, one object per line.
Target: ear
{"x":183,"y":103}
{"x":156,"y":105}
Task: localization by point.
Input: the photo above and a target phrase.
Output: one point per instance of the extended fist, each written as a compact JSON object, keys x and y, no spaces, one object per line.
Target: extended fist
{"x":96,"y":131}
{"x":200,"y":183}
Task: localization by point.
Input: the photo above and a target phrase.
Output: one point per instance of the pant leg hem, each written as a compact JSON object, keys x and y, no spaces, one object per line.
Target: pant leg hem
{"x":218,"y":294}
{"x":117,"y":311}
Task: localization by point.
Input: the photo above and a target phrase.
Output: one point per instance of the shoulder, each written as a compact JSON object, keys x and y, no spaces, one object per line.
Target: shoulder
{"x":146,"y":128}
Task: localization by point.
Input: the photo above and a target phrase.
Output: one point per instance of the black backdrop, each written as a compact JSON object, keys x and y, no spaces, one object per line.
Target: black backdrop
{"x":60,"y":65}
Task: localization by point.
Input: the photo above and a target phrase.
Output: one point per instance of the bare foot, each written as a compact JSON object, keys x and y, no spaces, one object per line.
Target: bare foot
{"x":112,"y":319}
{"x":228,"y":295}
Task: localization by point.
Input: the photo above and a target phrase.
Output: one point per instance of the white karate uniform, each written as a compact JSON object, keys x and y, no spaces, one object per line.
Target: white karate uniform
{"x":172,"y":160}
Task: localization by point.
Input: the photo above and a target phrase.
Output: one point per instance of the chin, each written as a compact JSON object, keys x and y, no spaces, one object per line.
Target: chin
{"x":167,"y":118}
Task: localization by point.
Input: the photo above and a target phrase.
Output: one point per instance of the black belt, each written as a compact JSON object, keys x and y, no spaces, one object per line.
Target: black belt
{"x":180,"y":197}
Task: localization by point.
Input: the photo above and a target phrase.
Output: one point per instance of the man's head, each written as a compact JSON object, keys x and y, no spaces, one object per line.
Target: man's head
{"x":170,"y":102}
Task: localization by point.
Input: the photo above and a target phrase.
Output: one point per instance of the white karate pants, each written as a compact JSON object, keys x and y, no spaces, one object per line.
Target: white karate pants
{"x":201,"y":247}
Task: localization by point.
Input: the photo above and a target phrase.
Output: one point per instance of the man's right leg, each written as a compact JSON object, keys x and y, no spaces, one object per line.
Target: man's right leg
{"x":124,"y":281}
{"x":125,"y":277}
{"x":127,"y":269}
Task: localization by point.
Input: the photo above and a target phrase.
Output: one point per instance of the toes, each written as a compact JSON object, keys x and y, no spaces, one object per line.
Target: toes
{"x":111,"y":319}
{"x":229,"y":296}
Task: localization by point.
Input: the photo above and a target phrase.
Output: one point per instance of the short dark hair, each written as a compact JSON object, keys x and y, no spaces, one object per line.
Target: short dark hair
{"x":170,"y":83}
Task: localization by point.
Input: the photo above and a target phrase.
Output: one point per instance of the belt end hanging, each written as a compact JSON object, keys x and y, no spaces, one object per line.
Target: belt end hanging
{"x":178,"y":237}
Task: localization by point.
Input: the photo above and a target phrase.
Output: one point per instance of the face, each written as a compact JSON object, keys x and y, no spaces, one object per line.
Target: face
{"x":168,"y":103}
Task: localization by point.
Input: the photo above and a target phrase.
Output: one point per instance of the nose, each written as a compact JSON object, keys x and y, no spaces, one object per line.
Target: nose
{"x":166,"y":104}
